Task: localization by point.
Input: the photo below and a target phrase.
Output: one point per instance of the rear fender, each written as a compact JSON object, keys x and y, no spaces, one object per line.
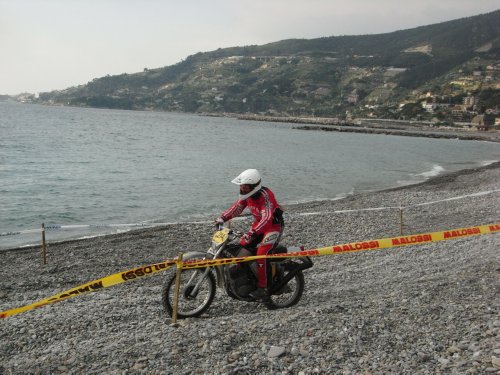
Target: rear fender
{"x":293,"y":267}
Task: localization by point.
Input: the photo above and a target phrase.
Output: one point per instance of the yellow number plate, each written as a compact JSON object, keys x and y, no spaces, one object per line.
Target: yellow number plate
{"x":220,"y":236}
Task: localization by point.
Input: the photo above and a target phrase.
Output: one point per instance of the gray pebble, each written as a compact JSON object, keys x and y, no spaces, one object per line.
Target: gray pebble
{"x":276,"y":351}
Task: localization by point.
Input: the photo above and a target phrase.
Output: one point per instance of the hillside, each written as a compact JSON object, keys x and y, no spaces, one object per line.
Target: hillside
{"x":322,"y":77}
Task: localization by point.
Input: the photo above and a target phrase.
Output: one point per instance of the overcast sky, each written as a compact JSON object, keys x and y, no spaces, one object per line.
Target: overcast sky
{"x":53,"y":44}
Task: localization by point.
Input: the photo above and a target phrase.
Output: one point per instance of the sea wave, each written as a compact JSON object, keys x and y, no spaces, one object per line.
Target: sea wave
{"x":484,"y":163}
{"x":436,"y":170}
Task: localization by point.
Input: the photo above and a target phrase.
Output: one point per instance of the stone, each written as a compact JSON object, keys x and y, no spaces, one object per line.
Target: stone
{"x":495,"y":361}
{"x":443,"y":361}
{"x":463,"y":345}
{"x":276,"y":351}
{"x":138,"y":366}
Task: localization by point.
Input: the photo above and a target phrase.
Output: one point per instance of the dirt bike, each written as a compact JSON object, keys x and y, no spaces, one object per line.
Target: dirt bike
{"x":198,"y":285}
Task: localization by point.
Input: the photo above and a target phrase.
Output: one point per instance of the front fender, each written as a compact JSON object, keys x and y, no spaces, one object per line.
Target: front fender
{"x":190,"y":255}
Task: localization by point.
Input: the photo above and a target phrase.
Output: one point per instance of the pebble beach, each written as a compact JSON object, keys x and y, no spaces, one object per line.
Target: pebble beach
{"x":431,"y":308}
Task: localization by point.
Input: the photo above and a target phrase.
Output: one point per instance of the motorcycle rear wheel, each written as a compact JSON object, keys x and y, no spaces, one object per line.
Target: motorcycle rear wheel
{"x":189,"y":305}
{"x":289,"y":295}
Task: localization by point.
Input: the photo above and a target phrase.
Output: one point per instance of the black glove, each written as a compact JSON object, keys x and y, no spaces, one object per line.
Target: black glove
{"x":219,"y":223}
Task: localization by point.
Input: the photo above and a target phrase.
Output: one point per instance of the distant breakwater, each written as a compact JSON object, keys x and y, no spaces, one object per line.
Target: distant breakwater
{"x":371,"y":127}
{"x":297,"y":120}
{"x":407,"y":133}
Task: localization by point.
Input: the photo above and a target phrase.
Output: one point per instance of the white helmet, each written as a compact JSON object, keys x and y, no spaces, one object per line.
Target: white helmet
{"x":249,"y":177}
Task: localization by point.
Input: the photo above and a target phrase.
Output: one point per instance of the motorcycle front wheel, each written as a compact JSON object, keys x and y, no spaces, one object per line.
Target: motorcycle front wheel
{"x":191,"y":303}
{"x":289,"y":295}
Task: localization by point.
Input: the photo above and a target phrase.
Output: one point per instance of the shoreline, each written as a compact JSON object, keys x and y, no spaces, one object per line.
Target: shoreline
{"x":294,"y":207}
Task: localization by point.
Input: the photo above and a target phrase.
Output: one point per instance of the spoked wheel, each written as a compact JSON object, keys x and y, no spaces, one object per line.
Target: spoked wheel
{"x":192,"y":303}
{"x":289,"y":295}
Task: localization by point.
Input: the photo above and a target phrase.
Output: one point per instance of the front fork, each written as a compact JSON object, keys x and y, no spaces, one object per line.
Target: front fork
{"x":194,"y":284}
{"x":194,"y":291}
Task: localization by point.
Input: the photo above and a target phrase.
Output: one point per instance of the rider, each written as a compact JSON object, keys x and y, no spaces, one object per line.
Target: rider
{"x":268,"y":224}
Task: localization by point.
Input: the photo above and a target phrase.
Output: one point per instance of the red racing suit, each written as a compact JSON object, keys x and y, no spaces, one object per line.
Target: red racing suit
{"x":266,"y":229}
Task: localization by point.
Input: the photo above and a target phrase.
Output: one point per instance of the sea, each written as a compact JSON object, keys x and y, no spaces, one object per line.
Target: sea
{"x":84,"y":172}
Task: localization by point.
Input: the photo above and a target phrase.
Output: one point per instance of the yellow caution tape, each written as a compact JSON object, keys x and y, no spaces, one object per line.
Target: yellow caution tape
{"x":413,"y":239}
{"x":140,"y":272}
{"x":94,"y":286}
{"x":383,"y":243}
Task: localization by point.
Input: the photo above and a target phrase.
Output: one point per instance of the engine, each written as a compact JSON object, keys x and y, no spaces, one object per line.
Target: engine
{"x":241,"y":279}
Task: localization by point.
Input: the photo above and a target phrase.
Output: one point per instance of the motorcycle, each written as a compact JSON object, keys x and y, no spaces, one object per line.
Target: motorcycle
{"x":198,"y":286}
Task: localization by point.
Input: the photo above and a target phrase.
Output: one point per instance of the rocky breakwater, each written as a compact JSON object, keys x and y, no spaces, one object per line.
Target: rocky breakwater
{"x":295,"y":120}
{"x":491,"y":136}
{"x":380,"y":127}
{"x":431,"y":308}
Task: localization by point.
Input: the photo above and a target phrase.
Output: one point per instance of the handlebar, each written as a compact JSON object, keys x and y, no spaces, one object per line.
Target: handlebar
{"x":236,"y":232}
{"x":220,"y":226}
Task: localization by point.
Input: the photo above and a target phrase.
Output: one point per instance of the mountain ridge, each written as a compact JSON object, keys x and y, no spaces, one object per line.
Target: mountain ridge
{"x":325,"y":76}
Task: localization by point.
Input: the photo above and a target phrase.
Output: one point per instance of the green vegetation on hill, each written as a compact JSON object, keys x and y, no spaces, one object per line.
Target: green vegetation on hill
{"x":331,"y":76}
